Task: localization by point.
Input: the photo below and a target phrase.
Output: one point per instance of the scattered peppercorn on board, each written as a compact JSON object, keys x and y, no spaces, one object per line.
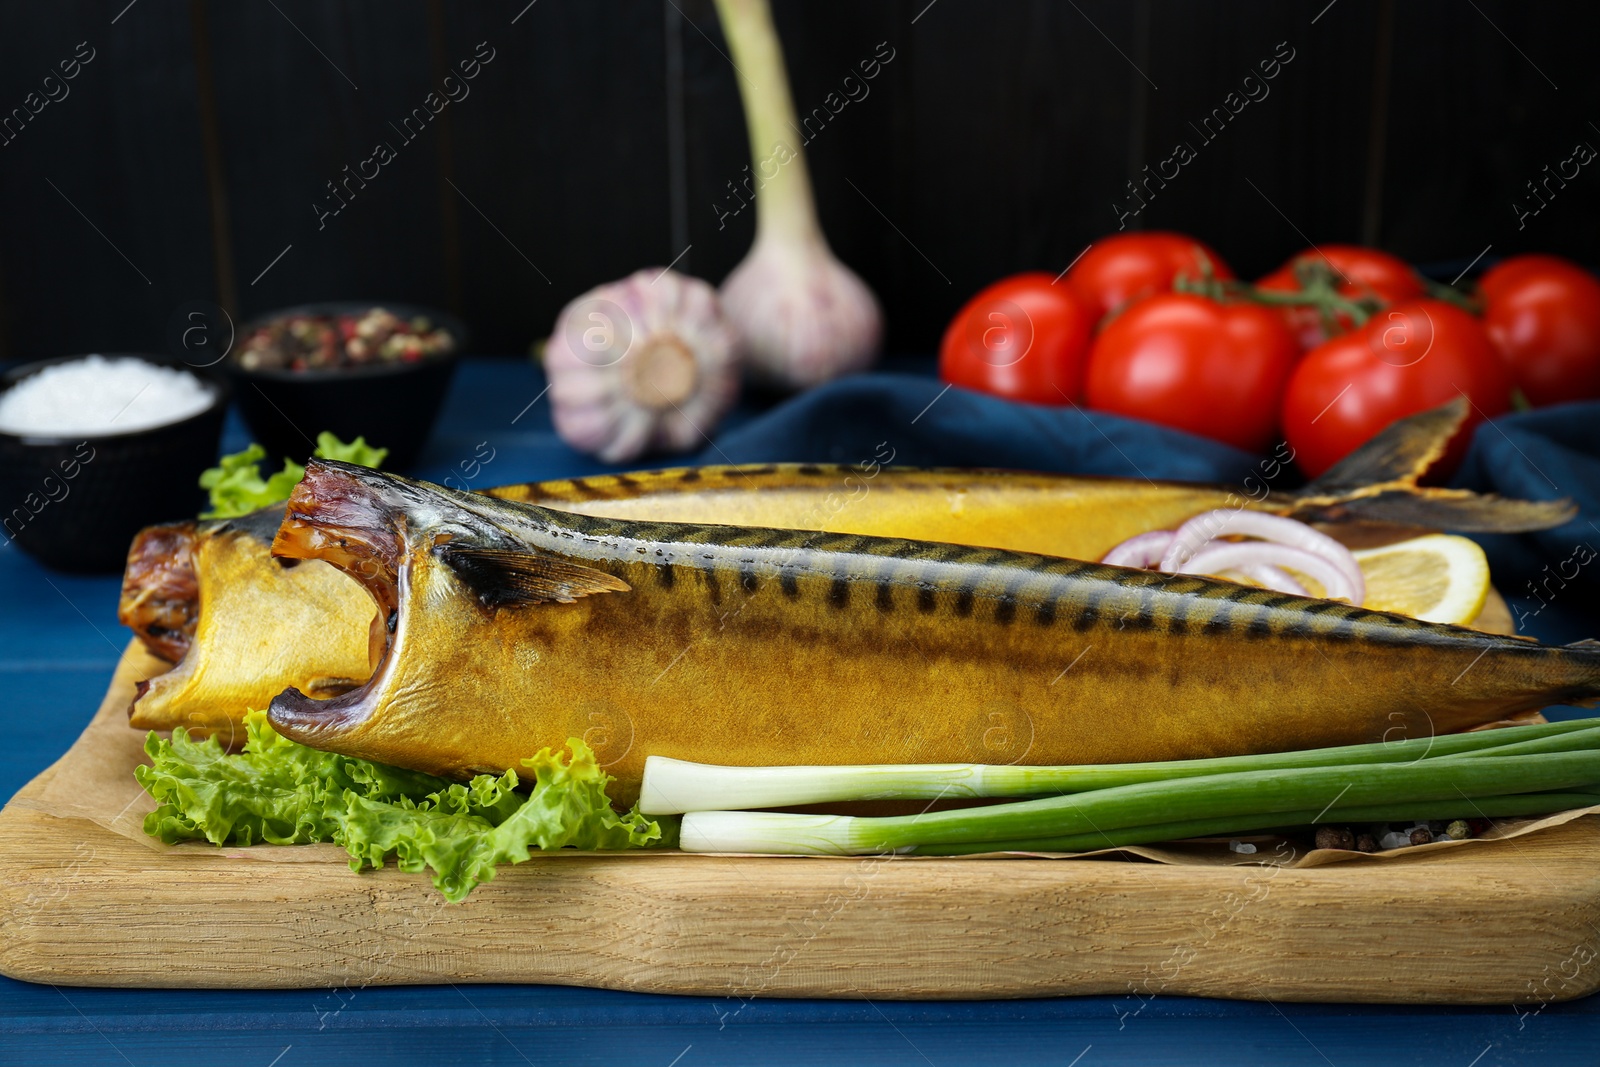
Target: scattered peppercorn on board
{"x":1499,"y":922}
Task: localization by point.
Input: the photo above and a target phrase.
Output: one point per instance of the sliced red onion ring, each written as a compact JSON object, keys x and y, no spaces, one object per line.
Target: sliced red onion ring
{"x":1194,"y":548}
{"x":1238,"y":555}
{"x":1145,"y":550}
{"x":1275,"y":578}
{"x":1210,"y":525}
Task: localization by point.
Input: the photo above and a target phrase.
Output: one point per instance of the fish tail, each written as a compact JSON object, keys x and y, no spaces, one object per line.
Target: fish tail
{"x":1397,"y":456}
{"x":1585,"y":657}
{"x":1378,"y":483}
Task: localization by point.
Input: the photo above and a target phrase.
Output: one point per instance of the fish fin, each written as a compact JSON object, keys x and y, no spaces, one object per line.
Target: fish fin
{"x":1378,"y":483}
{"x":503,"y":577}
{"x":1397,"y":456}
{"x":1446,"y":509}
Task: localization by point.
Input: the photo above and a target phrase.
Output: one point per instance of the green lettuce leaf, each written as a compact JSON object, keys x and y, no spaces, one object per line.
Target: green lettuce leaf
{"x":357,"y":451}
{"x":237,"y":488}
{"x":464,"y":831}
{"x":275,"y":791}
{"x":280,"y":792}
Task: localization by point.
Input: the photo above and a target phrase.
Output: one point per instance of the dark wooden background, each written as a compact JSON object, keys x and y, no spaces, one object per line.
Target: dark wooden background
{"x":601,"y":137}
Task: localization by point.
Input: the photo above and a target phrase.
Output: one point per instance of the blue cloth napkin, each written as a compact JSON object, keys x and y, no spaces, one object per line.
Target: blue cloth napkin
{"x":930,"y":424}
{"x":1550,"y":453}
{"x":1546,"y":454}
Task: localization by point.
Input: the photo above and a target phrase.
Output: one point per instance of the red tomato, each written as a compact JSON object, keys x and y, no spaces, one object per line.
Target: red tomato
{"x":1358,"y":272}
{"x":1543,"y":314}
{"x":1021,"y":338}
{"x":1127,"y":266}
{"x":1183,"y":360}
{"x":1408,"y":358}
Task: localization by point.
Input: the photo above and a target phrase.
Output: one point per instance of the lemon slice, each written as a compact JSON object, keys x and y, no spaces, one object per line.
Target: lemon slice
{"x":1437,"y":578}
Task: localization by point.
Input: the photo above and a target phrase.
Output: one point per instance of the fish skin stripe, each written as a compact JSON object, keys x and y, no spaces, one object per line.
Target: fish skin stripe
{"x":1371,"y":615}
{"x":1193,"y":585}
{"x":781,"y":539}
{"x":838,"y":541}
{"x":1344,"y":629}
{"x":884,"y":598}
{"x":1176,"y":620}
{"x":1141,"y":617}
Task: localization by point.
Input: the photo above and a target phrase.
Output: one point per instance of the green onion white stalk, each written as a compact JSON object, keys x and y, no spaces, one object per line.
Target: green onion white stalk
{"x":776,"y":833}
{"x":672,"y":786}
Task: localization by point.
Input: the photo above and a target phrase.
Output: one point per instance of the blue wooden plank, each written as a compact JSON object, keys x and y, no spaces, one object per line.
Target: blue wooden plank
{"x":41,"y":711}
{"x":543,"y":1024}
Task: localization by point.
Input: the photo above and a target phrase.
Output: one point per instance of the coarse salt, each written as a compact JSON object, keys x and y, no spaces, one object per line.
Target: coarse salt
{"x":1394,"y":839}
{"x":95,"y":396}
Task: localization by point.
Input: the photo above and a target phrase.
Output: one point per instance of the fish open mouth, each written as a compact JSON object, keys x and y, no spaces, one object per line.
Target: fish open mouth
{"x":160,"y":590}
{"x":346,"y":521}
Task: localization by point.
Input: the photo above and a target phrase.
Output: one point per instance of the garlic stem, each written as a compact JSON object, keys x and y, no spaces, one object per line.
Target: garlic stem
{"x":784,"y":205}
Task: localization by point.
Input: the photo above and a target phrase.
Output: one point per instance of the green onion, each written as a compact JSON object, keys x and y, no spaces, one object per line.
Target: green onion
{"x":672,"y":786}
{"x":1236,"y":799}
{"x":1531,"y":744}
{"x":1502,"y":807}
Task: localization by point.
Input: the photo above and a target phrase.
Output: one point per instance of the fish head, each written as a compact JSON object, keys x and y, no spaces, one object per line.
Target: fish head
{"x":208,"y":597}
{"x":440,"y":565}
{"x":160,"y":591}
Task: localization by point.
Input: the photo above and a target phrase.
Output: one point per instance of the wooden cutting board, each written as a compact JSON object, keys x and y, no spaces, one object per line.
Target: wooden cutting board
{"x":1502,"y":922}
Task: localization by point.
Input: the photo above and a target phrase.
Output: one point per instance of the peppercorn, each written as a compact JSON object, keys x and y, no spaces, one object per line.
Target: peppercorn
{"x":1459,"y":830}
{"x":1421,"y":836}
{"x":1366,"y":843}
{"x":1335,"y":837}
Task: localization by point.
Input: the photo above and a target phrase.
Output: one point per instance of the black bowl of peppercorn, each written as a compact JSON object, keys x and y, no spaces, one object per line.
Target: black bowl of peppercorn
{"x":353,"y":368}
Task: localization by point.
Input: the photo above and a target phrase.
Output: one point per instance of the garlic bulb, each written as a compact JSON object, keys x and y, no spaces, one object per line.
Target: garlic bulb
{"x":802,"y":316}
{"x":645,"y":363}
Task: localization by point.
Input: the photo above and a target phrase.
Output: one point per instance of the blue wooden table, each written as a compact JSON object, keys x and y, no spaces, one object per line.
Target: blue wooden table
{"x":59,"y":640}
